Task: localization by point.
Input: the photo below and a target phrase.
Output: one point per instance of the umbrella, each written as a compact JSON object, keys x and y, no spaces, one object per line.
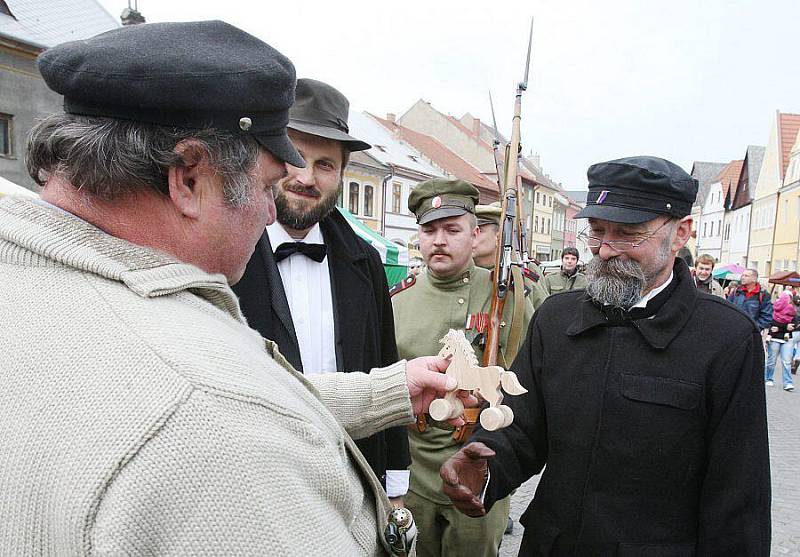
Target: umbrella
{"x":731,"y":271}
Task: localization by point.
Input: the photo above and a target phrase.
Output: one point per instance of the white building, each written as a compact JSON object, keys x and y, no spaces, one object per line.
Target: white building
{"x":406,"y":167}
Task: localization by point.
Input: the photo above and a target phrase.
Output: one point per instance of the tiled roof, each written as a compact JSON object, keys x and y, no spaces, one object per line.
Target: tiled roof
{"x":385,"y":147}
{"x":755,"y":156}
{"x":440,"y":155}
{"x":751,"y":167}
{"x":577,"y":196}
{"x":788,"y":126}
{"x":704,"y":173}
{"x":729,"y":177}
{"x":528,"y":170}
{"x":46,"y":23}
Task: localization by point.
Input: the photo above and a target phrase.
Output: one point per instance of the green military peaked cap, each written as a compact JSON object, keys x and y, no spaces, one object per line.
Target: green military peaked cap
{"x":489,"y":214}
{"x":441,"y":197}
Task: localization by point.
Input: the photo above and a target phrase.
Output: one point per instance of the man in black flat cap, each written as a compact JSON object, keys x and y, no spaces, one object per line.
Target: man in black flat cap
{"x":141,"y":415}
{"x":645,"y":397}
{"x":312,"y":285}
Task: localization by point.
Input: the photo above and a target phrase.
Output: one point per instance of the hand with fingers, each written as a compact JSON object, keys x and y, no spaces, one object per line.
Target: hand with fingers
{"x":427,"y":382}
{"x":464,"y":478}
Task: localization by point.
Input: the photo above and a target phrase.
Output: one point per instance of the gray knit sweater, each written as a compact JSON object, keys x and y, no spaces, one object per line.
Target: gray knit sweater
{"x":141,"y":416}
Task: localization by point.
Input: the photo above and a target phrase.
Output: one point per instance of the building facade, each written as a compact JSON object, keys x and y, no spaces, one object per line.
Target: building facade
{"x":767,"y":195}
{"x":27,"y":28}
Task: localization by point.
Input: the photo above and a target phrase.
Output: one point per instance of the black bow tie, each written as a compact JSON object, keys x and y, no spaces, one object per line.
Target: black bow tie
{"x":313,"y":251}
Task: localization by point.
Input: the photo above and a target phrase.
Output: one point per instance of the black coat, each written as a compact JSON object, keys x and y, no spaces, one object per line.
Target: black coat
{"x":363,"y":320}
{"x":653,"y":431}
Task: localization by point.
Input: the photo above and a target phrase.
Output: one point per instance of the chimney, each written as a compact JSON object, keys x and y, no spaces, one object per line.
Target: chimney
{"x":476,"y":127}
{"x":391,"y":116}
{"x":131,"y":15}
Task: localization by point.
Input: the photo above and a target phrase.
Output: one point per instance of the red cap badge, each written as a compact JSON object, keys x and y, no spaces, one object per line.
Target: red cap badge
{"x":436,"y":202}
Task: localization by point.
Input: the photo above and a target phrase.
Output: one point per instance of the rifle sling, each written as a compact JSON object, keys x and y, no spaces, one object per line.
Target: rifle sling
{"x":517,"y":319}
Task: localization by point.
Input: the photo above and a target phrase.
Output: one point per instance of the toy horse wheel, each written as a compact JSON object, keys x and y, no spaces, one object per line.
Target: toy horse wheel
{"x":492,"y":418}
{"x":442,"y":409}
{"x":508,"y":413}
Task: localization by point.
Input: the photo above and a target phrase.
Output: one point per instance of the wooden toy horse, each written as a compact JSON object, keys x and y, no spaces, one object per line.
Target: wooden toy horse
{"x":485,"y":381}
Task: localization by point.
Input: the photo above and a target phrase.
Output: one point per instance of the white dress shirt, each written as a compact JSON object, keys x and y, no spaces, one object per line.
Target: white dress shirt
{"x":307,"y":285}
{"x":653,"y":293}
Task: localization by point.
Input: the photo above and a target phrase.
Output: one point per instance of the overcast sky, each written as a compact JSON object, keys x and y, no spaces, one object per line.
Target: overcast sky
{"x":683,"y":79}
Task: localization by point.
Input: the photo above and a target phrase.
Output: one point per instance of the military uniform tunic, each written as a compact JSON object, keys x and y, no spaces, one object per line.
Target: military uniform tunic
{"x":424,"y":310}
{"x":561,"y":282}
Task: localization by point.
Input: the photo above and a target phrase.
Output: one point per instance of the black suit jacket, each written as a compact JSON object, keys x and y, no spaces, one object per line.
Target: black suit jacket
{"x":363,"y":319}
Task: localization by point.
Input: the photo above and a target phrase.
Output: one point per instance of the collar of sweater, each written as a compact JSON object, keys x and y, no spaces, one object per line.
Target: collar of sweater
{"x":40,"y":234}
{"x":453,"y":282}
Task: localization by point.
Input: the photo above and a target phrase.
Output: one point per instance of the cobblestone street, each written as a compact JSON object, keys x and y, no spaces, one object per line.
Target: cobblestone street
{"x":784,"y":432}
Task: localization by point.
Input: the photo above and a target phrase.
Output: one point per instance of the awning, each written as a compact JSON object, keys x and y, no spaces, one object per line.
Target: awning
{"x":393,"y":256}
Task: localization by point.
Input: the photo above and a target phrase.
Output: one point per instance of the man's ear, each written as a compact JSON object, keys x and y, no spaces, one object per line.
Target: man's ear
{"x":188,"y":181}
{"x":682,"y":233}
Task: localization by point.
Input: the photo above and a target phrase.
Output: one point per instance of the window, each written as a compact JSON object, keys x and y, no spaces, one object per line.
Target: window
{"x":537,"y":197}
{"x":550,"y":201}
{"x":704,"y":229}
{"x":397,"y":194}
{"x":6,"y":130}
{"x":368,"y":200}
{"x":719,"y":227}
{"x":340,"y":197}
{"x":536,"y":223}
{"x":794,"y":265}
{"x":548,"y":227}
{"x":354,"y":191}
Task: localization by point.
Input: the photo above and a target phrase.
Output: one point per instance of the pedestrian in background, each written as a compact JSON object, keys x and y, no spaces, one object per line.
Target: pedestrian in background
{"x":568,"y":277}
{"x":751,"y":298}
{"x":703,"y":279}
{"x":780,"y":340}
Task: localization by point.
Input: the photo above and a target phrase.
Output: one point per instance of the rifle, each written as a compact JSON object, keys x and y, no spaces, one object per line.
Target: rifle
{"x":511,"y":216}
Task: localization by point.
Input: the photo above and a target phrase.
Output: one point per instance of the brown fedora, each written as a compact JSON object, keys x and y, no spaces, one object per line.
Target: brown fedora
{"x":321,"y":110}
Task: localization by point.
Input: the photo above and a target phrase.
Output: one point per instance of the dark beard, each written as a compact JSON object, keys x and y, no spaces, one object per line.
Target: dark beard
{"x":615,"y":282}
{"x":290,"y":217}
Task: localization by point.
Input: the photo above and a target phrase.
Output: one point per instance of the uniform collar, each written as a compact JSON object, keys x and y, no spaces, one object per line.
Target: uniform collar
{"x":658,"y":329}
{"x":451,"y":283}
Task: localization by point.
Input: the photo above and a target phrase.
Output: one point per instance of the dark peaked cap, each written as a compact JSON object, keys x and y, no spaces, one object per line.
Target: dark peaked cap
{"x":190,"y":75}
{"x":638,"y":189}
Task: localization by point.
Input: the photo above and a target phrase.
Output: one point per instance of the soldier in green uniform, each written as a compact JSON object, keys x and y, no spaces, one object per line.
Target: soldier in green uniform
{"x":451,"y":293}
{"x":568,"y":277}
{"x":488,"y":228}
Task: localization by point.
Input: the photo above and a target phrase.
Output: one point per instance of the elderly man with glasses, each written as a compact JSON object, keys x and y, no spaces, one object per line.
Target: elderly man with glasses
{"x":645,"y":396}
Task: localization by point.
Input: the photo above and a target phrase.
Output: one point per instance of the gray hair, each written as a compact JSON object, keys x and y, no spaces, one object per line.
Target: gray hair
{"x":109,"y":158}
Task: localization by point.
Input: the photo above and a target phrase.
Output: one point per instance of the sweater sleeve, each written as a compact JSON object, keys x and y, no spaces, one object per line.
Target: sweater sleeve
{"x":365,"y":403}
{"x":227,"y":476}
{"x":734,"y":510}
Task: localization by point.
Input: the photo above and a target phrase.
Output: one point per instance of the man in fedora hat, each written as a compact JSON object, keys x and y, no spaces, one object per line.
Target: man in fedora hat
{"x":312,"y":285}
{"x":645,"y":396}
